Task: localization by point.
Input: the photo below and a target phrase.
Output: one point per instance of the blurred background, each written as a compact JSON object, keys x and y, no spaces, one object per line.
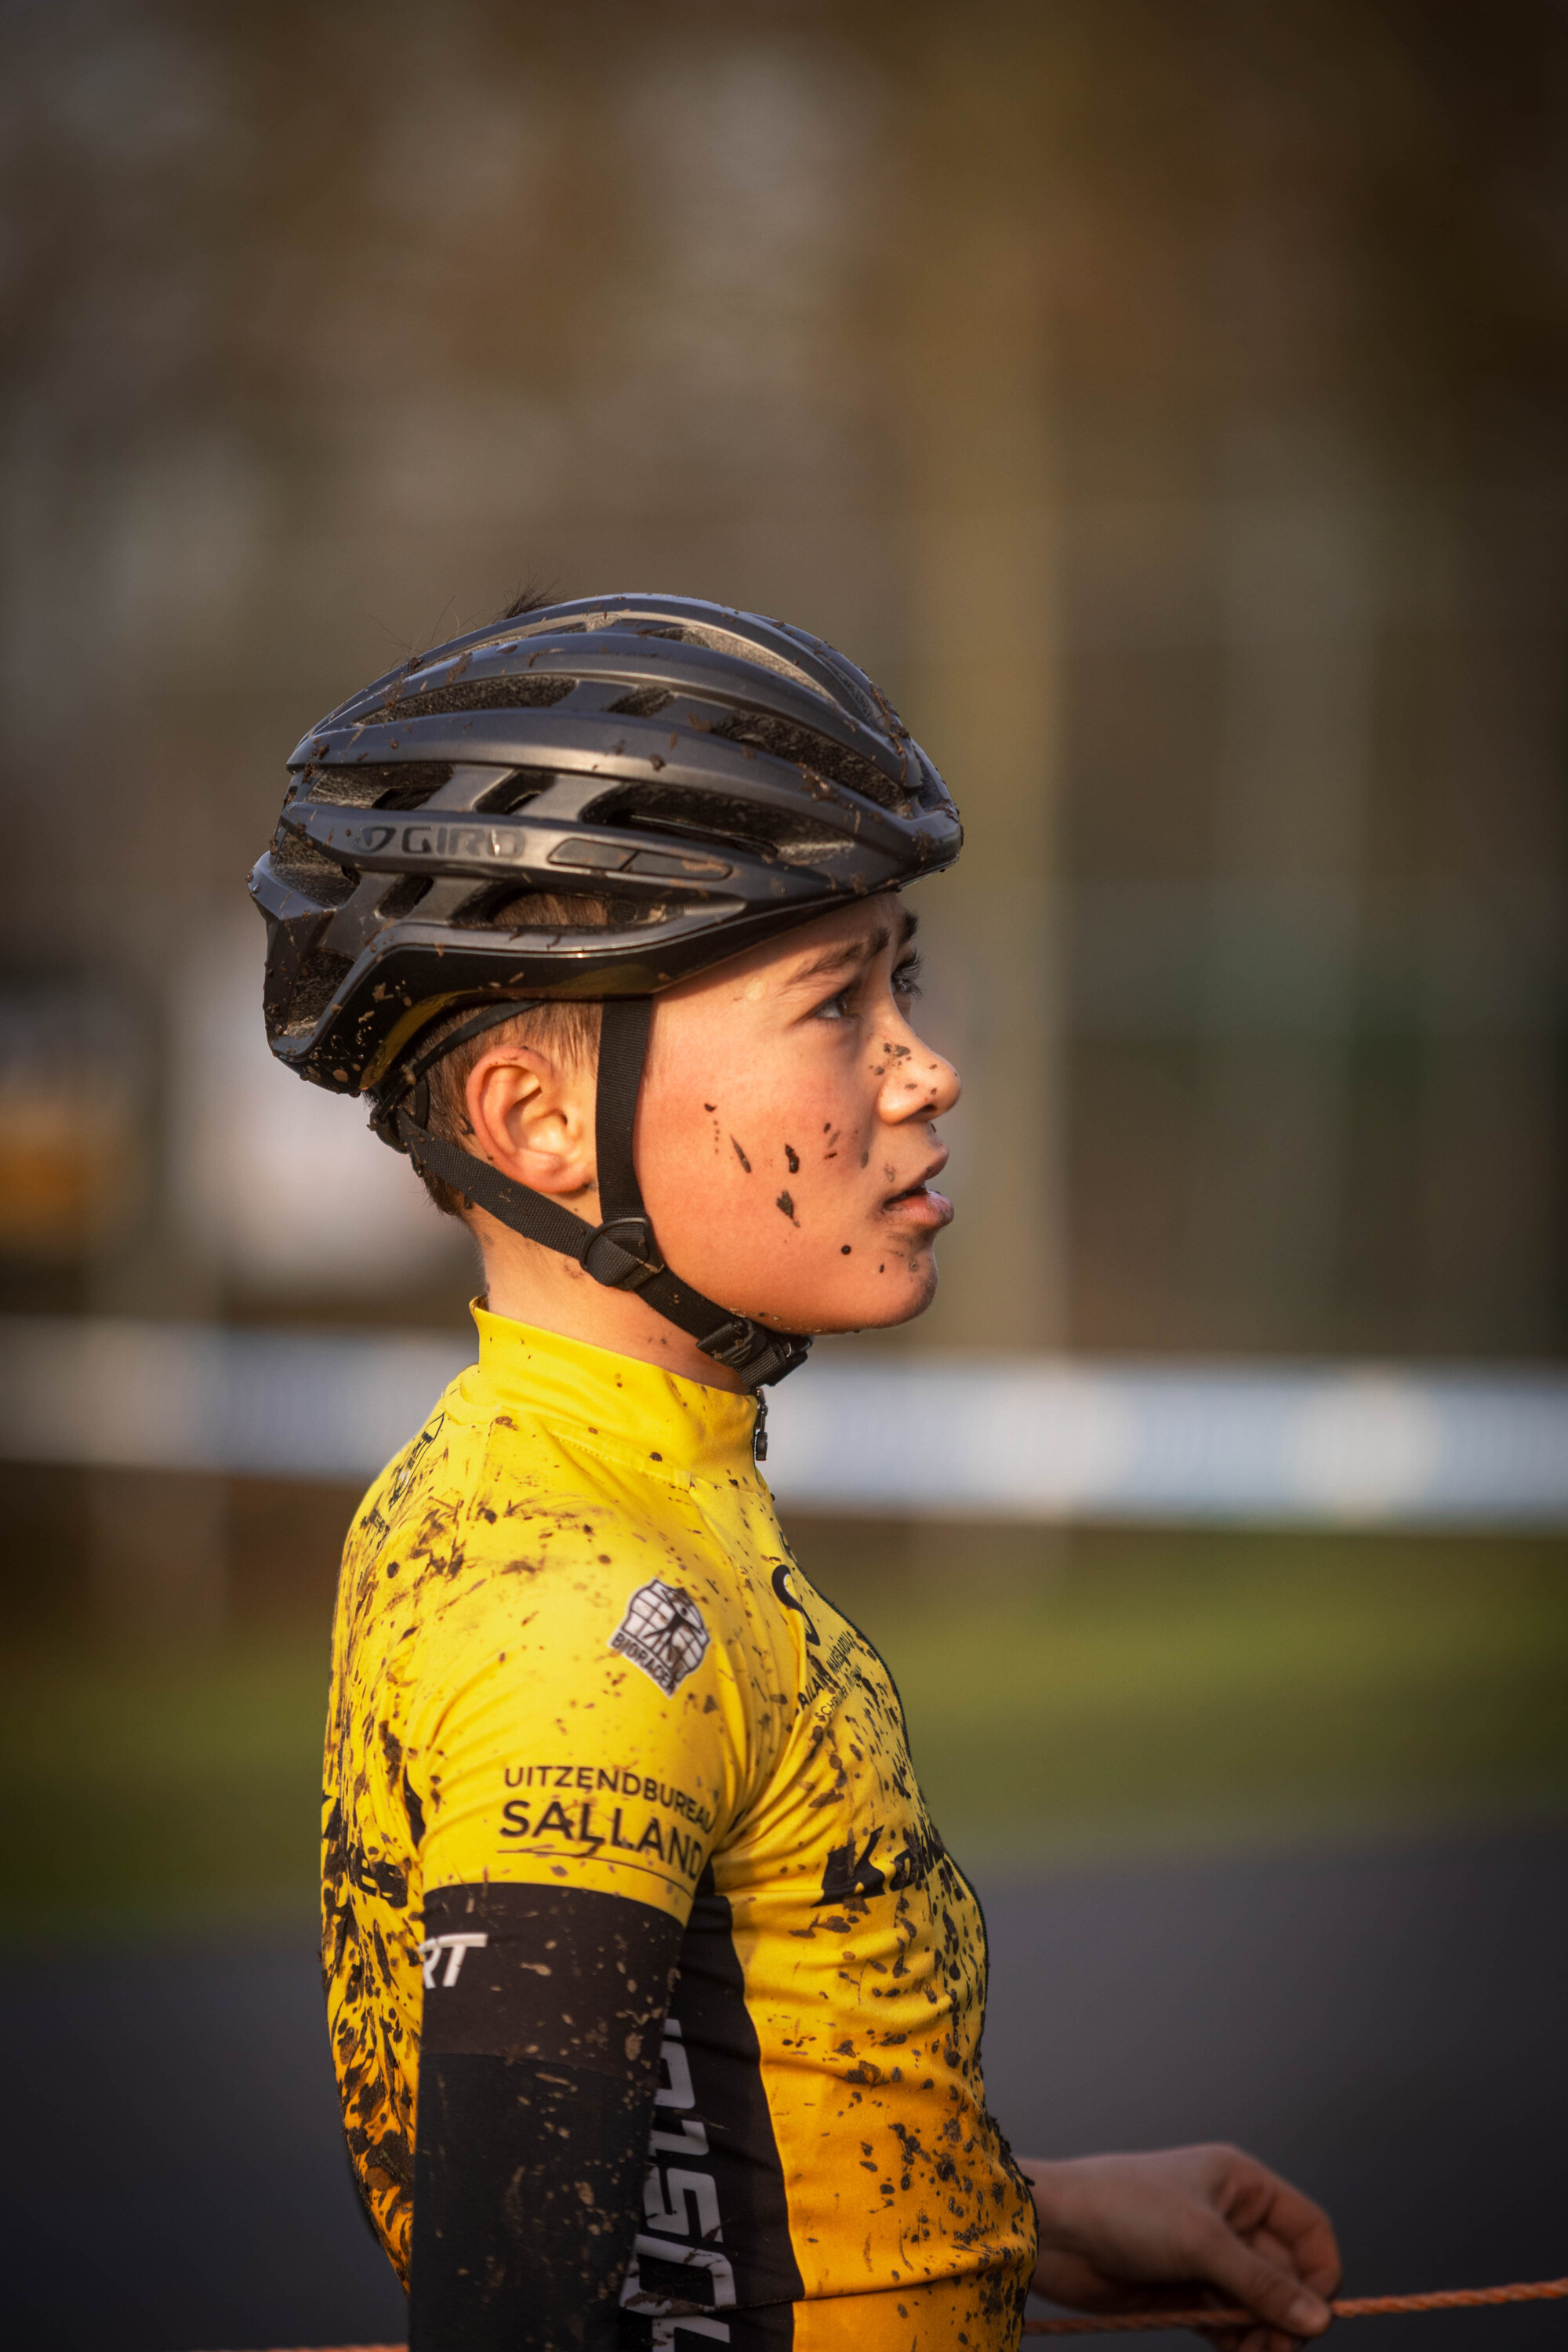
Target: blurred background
{"x":1167,"y":400}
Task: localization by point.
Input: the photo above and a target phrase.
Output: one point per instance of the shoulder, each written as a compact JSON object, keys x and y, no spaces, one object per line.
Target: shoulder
{"x":475,"y":1484}
{"x":493,"y":1535}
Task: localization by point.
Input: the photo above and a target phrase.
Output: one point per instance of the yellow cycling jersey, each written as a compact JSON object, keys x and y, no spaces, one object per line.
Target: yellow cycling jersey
{"x":573,"y":1655}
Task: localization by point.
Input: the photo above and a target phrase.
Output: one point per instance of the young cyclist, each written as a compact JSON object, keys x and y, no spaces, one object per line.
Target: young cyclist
{"x":655,"y":1998}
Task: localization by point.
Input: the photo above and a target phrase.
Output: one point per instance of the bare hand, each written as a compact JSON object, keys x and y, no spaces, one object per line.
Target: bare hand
{"x":1136,"y":2232}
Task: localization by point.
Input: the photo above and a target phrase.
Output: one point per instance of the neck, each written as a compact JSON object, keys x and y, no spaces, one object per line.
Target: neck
{"x":532,"y":1284}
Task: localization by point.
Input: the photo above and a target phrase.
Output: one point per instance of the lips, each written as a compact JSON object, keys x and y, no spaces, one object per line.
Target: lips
{"x":917,"y":1203}
{"x":913,"y":1191}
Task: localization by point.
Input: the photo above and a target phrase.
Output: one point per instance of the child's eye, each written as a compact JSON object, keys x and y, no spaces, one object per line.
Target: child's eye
{"x":907,"y":978}
{"x":836,"y":1009}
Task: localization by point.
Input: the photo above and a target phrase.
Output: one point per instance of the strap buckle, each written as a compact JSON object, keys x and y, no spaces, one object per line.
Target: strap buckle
{"x":733,"y":1343}
{"x":620,"y":1265}
{"x":392,"y":1105}
{"x":753,"y":1350}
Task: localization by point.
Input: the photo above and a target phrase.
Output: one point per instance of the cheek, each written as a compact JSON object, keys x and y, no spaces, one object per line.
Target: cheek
{"x":755,"y":1160}
{"x":759,"y":1196}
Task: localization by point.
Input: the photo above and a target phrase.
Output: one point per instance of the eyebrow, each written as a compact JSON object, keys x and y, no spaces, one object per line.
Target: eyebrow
{"x":856,"y":952}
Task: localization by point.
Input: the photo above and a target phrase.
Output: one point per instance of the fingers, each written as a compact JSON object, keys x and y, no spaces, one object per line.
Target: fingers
{"x":1258,"y":2201}
{"x":1278,"y":2294}
{"x":1126,"y":2225}
{"x":1294,"y":2256}
{"x":1315,"y":2251}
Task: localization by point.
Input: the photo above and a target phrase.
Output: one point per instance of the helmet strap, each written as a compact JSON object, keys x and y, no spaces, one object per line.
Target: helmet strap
{"x":620,"y":1252}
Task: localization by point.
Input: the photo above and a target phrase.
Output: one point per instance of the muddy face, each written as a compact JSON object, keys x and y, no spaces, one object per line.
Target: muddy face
{"x":786,"y":1137}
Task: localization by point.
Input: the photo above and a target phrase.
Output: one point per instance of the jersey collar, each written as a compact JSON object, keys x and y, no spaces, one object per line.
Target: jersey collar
{"x":670,"y":1426}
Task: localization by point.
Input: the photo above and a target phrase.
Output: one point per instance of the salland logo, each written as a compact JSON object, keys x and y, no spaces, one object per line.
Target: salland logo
{"x":663,"y":1632}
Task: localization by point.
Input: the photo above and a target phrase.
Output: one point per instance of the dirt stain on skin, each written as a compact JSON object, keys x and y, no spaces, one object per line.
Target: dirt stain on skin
{"x":792,"y":1156}
{"x":787,"y":1205}
{"x":742,"y":1157}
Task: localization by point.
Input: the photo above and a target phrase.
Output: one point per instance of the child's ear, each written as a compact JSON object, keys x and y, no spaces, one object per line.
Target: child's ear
{"x":532,"y":1119}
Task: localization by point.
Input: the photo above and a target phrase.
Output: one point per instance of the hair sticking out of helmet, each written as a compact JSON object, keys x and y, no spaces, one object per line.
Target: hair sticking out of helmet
{"x":567,"y":1031}
{"x":533,"y":597}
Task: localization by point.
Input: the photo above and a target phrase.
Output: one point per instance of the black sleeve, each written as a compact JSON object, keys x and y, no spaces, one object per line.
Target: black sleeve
{"x":538,"y":2062}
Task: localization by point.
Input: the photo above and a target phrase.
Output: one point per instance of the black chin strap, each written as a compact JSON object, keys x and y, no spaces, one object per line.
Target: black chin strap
{"x":621,"y":1252}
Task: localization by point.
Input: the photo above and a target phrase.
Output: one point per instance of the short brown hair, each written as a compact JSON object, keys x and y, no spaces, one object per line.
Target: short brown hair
{"x":568,"y":1031}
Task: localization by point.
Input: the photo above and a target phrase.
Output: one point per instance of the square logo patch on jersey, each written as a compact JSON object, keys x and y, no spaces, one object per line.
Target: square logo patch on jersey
{"x":662,"y":1631}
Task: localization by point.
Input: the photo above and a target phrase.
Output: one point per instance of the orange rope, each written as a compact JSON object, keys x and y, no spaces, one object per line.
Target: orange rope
{"x":1358,"y":2307}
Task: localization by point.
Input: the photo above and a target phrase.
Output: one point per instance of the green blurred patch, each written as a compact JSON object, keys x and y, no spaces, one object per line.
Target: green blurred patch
{"x":1149,"y":1689}
{"x":144,"y":1789}
{"x":1066,"y":1695}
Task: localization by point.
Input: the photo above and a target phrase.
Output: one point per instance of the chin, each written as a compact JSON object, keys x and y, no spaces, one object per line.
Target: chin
{"x":875,"y":1309}
{"x":916,"y":1300}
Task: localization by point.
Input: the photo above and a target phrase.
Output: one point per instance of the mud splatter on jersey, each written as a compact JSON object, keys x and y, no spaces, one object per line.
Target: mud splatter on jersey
{"x":572,"y":1656}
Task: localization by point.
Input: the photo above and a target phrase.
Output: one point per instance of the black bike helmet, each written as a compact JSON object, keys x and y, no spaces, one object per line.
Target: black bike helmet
{"x":717,"y":778}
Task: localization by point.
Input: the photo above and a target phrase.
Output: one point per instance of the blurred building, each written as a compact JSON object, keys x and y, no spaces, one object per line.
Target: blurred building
{"x":1166,"y":397}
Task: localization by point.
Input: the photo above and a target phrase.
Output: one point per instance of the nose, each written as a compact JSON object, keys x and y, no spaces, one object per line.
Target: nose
{"x":917,"y":1082}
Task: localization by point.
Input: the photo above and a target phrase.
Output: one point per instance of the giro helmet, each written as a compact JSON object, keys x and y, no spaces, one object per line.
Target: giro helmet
{"x":712,"y":777}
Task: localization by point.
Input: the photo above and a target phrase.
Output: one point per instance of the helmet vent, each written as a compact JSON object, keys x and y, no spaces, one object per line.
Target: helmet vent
{"x":818,"y":756}
{"x":540,"y":910}
{"x":388,"y":784}
{"x":309,"y":871}
{"x":792,"y":835}
{"x":480,"y":694}
{"x":514,"y":792}
{"x":402,"y":897}
{"x":320,"y":977}
{"x":643,"y":701}
{"x":726,"y":641}
{"x":343,"y":787}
